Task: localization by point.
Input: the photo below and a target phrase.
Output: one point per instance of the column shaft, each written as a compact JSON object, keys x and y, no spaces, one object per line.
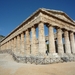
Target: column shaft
{"x":27,"y":43}
{"x":18,"y":43}
{"x":72,"y":42}
{"x":9,"y":44}
{"x":14,"y":44}
{"x":22,"y":44}
{"x":59,"y":41}
{"x":42,"y":45}
{"x":33,"y":42}
{"x":67,"y":42}
{"x":51,"y":40}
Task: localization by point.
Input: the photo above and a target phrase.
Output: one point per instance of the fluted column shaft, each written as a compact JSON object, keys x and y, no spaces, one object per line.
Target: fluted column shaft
{"x":10,"y":44}
{"x":18,"y":43}
{"x":67,"y":42}
{"x":22,"y":43}
{"x":7,"y":45}
{"x":27,"y":42}
{"x":15,"y":44}
{"x":51,"y":40}
{"x":72,"y":42}
{"x":33,"y":42}
{"x":59,"y":41}
{"x":42,"y":45}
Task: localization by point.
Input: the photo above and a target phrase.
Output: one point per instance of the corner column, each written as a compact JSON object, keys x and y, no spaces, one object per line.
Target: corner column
{"x":42,"y":45}
{"x":51,"y":40}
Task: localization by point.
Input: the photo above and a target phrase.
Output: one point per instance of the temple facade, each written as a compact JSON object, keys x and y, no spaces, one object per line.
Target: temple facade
{"x":24,"y":42}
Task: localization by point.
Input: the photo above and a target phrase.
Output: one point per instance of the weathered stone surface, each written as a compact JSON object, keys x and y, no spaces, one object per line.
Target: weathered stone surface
{"x":59,"y":42}
{"x":72,"y":41}
{"x":18,"y":44}
{"x":67,"y":42}
{"x":51,"y":40}
{"x":14,"y":45}
{"x":42,"y":45}
{"x":22,"y":44}
{"x":27,"y":43}
{"x":34,"y":50}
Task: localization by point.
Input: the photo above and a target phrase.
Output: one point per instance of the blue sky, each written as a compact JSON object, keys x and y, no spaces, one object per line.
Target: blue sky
{"x":14,"y":12}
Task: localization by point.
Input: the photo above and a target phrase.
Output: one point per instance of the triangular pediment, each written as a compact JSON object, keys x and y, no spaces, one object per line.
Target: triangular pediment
{"x":63,"y":16}
{"x":59,"y":14}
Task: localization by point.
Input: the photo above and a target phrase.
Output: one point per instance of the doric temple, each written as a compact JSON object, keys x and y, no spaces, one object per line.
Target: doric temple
{"x":23,"y":41}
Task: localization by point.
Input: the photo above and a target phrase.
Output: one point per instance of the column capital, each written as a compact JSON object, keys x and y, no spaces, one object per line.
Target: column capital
{"x":71,"y":31}
{"x":64,"y":29}
{"x":41,"y":22}
{"x":33,"y":27}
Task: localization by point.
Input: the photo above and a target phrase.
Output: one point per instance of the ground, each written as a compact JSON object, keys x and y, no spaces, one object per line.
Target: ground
{"x":9,"y":67}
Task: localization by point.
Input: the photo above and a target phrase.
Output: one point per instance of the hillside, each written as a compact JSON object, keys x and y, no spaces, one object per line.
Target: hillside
{"x":1,"y":37}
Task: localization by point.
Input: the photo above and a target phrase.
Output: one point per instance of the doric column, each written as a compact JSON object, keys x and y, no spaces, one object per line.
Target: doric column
{"x":67,"y":42}
{"x":33,"y":42}
{"x":51,"y":40}
{"x":15,"y":44}
{"x":72,"y":42}
{"x":42,"y":45}
{"x":22,"y":43}
{"x":18,"y":43}
{"x":3,"y":46}
{"x":27,"y":43}
{"x":59,"y":41}
{"x":7,"y":45}
{"x":12,"y":42}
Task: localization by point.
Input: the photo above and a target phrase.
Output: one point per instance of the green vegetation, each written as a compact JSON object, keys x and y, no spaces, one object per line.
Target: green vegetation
{"x":1,"y":37}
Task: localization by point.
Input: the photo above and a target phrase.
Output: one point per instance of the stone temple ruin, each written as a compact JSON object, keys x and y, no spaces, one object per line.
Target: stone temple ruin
{"x":23,"y":44}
